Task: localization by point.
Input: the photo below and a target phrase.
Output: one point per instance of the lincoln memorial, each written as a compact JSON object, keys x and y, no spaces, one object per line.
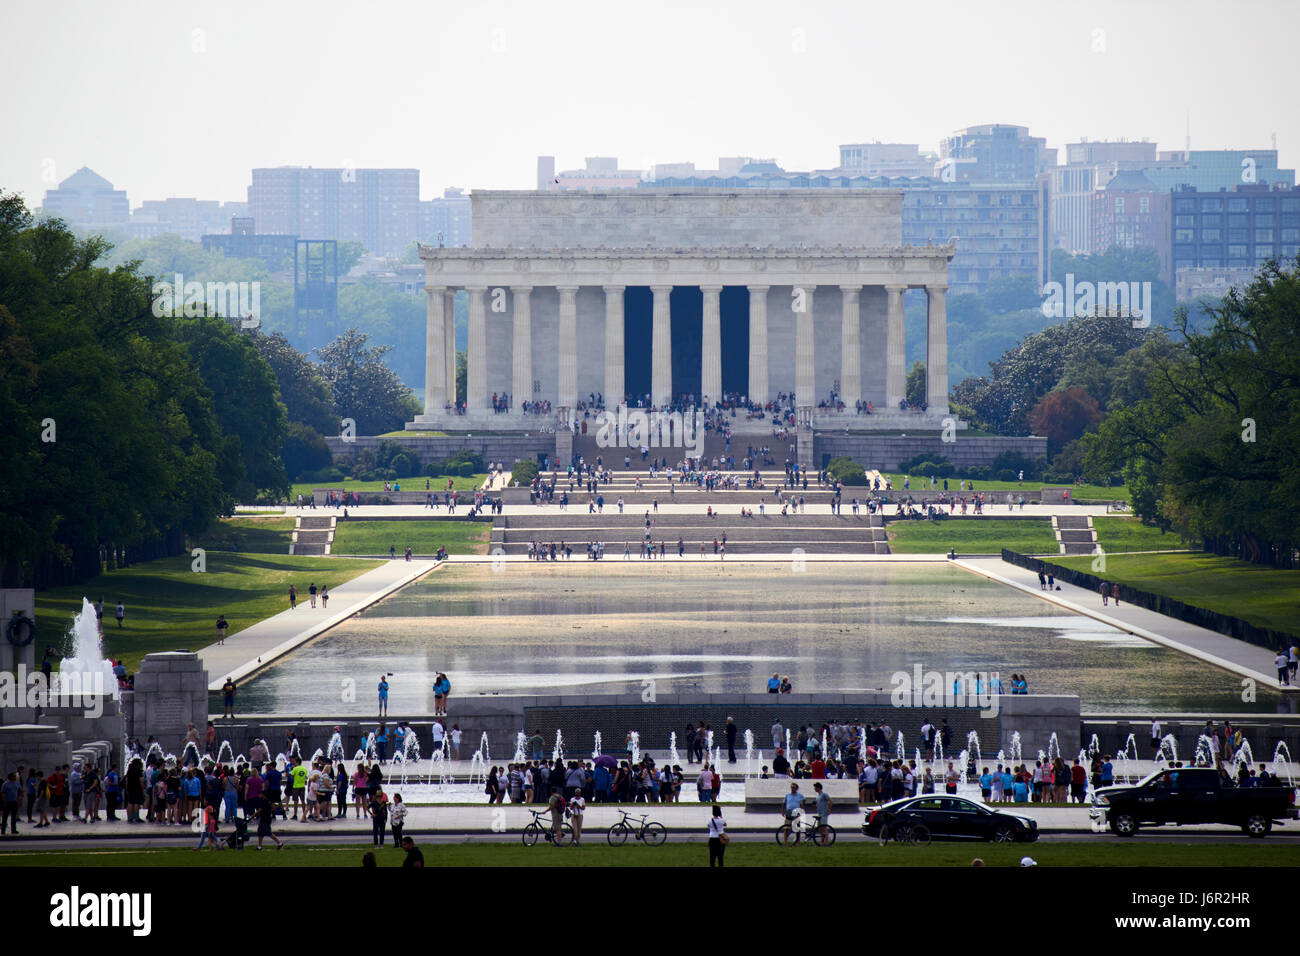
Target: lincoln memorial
{"x":662,"y":297}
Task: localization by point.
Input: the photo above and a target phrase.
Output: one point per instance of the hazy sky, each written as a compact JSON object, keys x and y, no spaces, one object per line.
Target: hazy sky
{"x":174,"y":98}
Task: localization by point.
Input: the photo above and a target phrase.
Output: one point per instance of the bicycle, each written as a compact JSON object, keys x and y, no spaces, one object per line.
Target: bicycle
{"x":908,"y":834}
{"x":536,"y":830}
{"x":649,"y":833}
{"x":795,"y":829}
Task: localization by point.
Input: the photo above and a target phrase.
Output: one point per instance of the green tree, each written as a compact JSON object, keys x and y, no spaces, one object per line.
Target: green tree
{"x":306,"y":397}
{"x":363,"y":387}
{"x":916,"y":384}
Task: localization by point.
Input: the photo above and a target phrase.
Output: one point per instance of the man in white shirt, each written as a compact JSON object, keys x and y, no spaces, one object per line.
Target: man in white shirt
{"x":778,"y":735}
{"x":1155,"y":737}
{"x":439,"y":732}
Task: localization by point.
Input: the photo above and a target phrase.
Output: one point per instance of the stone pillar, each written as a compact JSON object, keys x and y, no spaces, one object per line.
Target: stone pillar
{"x":850,"y":347}
{"x":805,"y":388}
{"x":449,"y":326}
{"x":435,"y":366}
{"x":895,"y":348}
{"x":476,"y":397}
{"x":171,"y":692}
{"x":614,"y":388}
{"x":936,"y":350}
{"x":568,"y":347}
{"x":521,"y":382}
{"x":758,"y":343}
{"x":711,"y":346}
{"x":661,"y":345}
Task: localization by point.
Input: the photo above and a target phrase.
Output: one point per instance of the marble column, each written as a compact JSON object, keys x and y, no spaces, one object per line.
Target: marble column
{"x":661,"y":346}
{"x":895,"y":348}
{"x":614,"y":389}
{"x":476,"y":398}
{"x":850,"y":346}
{"x":449,"y":327}
{"x":521,"y":388}
{"x":758,"y":343}
{"x":435,"y":339}
{"x":805,"y":374}
{"x":711,"y":346}
{"x":936,"y":350}
{"x":567,"y":344}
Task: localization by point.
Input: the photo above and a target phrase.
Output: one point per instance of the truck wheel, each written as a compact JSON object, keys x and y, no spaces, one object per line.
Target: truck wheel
{"x":1258,"y":826}
{"x":1124,"y":824}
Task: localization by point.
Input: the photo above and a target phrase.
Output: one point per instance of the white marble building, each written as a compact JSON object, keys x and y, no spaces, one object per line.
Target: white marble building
{"x":693,"y":292}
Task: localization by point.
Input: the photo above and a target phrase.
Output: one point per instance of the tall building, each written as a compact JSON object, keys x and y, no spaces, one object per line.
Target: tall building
{"x":1088,"y":166}
{"x":994,"y":153}
{"x":88,"y":200}
{"x":1236,"y":228}
{"x":600,"y":172}
{"x":380,"y":208}
{"x":446,"y":221}
{"x":243,"y":242}
{"x":1131,"y":212}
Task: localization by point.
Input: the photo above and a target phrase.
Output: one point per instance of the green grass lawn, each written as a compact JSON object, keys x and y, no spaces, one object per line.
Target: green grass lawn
{"x":1129,"y":534}
{"x":424,"y":536}
{"x":1077,"y":492}
{"x":170,"y":607}
{"x":258,"y":535}
{"x":1143,"y":851}
{"x":459,"y":483}
{"x":971,"y":536}
{"x":1264,"y":596}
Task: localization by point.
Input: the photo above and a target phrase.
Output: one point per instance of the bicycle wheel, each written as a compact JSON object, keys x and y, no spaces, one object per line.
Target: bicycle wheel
{"x":920,"y":835}
{"x":824,"y":835}
{"x":884,"y":835}
{"x":566,"y":836}
{"x":531,"y":834}
{"x":617,"y":834}
{"x":654,"y":834}
{"x":786,"y":835}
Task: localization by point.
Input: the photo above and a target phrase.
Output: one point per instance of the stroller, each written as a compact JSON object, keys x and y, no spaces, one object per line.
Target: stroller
{"x":239,"y":837}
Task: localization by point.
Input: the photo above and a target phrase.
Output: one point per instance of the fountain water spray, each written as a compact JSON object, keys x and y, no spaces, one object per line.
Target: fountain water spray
{"x":749,"y":753}
{"x":672,"y":749}
{"x":595,"y":749}
{"x":520,"y":743}
{"x":558,"y":752}
{"x":87,"y":671}
{"x":635,"y":747}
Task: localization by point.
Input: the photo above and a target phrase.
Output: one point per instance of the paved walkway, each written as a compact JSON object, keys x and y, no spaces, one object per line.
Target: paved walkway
{"x":1212,"y":647}
{"x":255,"y":647}
{"x":685,"y":503}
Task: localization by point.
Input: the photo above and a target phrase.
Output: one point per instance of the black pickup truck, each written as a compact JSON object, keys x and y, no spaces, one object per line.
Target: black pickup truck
{"x":1185,"y":795}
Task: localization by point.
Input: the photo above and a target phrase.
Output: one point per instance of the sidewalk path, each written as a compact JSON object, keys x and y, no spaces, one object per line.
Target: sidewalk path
{"x":1212,"y":647}
{"x":253,"y":648}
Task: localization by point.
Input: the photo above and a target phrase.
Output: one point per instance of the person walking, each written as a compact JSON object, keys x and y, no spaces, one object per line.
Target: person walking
{"x":265,"y":816}
{"x":293,"y":597}
{"x":1104,"y":588}
{"x":311,"y":593}
{"x":324,"y":596}
{"x":577,"y":804}
{"x":718,"y":838}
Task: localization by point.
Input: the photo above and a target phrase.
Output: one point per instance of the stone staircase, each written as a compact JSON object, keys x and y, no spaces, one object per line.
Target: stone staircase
{"x":313,"y":535}
{"x":1075,"y":534}
{"x":640,"y":491}
{"x":762,"y":534}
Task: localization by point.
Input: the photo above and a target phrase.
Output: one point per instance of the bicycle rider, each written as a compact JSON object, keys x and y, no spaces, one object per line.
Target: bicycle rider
{"x":823,"y":806}
{"x":793,"y":804}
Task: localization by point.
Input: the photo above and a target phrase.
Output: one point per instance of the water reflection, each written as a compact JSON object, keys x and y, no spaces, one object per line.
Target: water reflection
{"x":606,"y":628}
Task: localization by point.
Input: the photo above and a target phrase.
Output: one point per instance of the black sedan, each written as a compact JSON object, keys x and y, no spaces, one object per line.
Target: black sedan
{"x":951,"y":818}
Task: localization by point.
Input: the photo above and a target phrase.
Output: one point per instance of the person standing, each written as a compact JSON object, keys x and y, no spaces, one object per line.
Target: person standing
{"x":10,"y":793}
{"x":378,"y":814}
{"x":718,"y":838}
{"x":1155,"y":737}
{"x":399,"y":818}
{"x":265,"y":816}
{"x":222,"y":626}
{"x":1283,"y":667}
{"x":324,"y":597}
{"x":1104,"y":588}
{"x":731,"y":740}
{"x":577,"y":804}
{"x":383,"y":696}
{"x":120,"y":612}
{"x":228,"y":698}
{"x":311,"y":593}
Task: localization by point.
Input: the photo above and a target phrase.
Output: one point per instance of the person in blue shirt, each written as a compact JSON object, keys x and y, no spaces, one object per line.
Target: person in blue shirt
{"x":383,"y":696}
{"x":773,"y":684}
{"x":793,"y":802}
{"x":1021,"y":791}
{"x":381,"y":743}
{"x":1107,"y":772}
{"x":986,"y":785}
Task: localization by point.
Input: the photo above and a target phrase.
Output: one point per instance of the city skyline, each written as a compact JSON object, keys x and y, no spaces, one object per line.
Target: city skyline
{"x":238,"y":84}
